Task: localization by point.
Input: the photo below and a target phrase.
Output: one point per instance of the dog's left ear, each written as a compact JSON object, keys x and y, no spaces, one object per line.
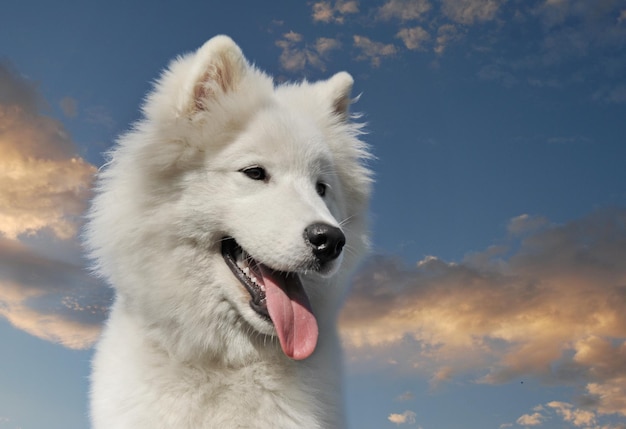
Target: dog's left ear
{"x":338,"y":90}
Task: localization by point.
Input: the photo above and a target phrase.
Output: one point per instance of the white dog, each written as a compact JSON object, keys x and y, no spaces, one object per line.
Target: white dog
{"x":228,"y":220}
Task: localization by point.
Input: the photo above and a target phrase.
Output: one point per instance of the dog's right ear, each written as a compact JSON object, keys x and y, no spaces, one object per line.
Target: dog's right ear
{"x":337,"y":91}
{"x":218,"y":68}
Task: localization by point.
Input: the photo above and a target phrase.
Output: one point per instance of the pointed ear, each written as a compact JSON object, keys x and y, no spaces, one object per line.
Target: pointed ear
{"x":339,"y":87}
{"x":219,"y":66}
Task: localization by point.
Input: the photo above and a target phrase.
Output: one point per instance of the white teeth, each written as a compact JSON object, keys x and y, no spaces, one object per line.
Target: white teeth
{"x":243,"y":261}
{"x":253,"y":278}
{"x":245,"y":268}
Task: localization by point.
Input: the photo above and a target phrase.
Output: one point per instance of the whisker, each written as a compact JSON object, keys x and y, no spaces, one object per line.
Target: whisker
{"x":345,"y":221}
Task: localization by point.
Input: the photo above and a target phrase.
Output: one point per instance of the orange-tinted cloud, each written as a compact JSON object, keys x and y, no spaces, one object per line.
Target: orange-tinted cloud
{"x":325,"y":11}
{"x":45,"y":187}
{"x":372,"y":50}
{"x":552,"y":305}
{"x":404,"y":10}
{"x":297,"y":55}
{"x":45,"y":184}
{"x":407,"y":417}
{"x":446,"y":34}
{"x":573,"y":416}
{"x":414,"y":38}
{"x":51,"y":299}
{"x":470,"y":11}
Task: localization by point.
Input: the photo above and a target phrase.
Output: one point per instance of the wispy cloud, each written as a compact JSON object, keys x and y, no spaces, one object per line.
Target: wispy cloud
{"x":495,"y":72}
{"x":297,"y":54}
{"x":325,"y":45}
{"x":534,"y":419}
{"x":470,"y":11}
{"x":407,"y":417}
{"x":549,"y":305}
{"x":446,"y":34}
{"x":563,"y":32}
{"x":45,"y":186}
{"x":591,"y":27}
{"x":414,"y":38}
{"x":406,"y":396}
{"x":566,"y":413}
{"x":326,"y":11}
{"x":578,"y":417}
{"x":567,"y":33}
{"x":373,"y":51}
{"x":292,"y":57}
{"x":615,"y":94}
{"x":49,"y":298}
{"x":404,"y":10}
{"x":69,"y":106}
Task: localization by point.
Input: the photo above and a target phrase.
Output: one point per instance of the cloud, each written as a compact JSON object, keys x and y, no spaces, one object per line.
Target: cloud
{"x":578,"y":417}
{"x":69,"y":106}
{"x":534,"y":419}
{"x":99,"y":115}
{"x":45,"y":184}
{"x":414,"y":38}
{"x":297,"y":55}
{"x":608,"y":396}
{"x":325,"y":45}
{"x":45,"y":188}
{"x":496,"y":73}
{"x":576,"y":28}
{"x":446,"y":34}
{"x":564,"y":33}
{"x":406,"y":396}
{"x":407,"y":417}
{"x":611,"y":95}
{"x":17,"y":91}
{"x":373,"y":51}
{"x":550,"y":304}
{"x":470,"y":11}
{"x":50,"y":299}
{"x":567,"y":413}
{"x":322,"y":11}
{"x":524,"y":224}
{"x":404,"y":10}
{"x":555,"y":12}
{"x":325,"y":11}
{"x":441,"y":375}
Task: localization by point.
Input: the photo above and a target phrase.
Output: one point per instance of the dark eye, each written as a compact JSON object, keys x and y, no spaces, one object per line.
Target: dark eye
{"x":255,"y":173}
{"x":321,"y":188}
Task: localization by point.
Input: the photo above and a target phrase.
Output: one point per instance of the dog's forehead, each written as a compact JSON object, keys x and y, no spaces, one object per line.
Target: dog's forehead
{"x":286,"y":132}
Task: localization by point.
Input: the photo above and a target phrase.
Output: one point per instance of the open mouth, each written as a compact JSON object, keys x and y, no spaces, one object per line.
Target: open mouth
{"x":276,"y":296}
{"x":247,"y":271}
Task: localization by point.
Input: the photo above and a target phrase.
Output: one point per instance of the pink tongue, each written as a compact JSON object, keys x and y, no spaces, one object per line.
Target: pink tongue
{"x":291,"y":313}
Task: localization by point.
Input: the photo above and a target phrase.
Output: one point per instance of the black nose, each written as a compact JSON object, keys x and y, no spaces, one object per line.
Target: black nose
{"x":326,"y":241}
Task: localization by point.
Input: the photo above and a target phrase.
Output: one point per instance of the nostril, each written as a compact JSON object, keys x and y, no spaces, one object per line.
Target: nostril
{"x":326,"y":241}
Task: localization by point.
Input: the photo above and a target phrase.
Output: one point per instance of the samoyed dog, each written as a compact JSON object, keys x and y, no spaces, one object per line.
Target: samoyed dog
{"x":228,"y":220}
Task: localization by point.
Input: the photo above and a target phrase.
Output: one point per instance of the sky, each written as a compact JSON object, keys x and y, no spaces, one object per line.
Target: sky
{"x":495,"y":292}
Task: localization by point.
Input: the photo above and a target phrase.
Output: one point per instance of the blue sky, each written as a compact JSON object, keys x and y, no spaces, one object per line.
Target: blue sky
{"x":495,"y":295}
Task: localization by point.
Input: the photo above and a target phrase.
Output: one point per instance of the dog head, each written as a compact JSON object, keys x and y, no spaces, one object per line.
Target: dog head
{"x":234,"y":206}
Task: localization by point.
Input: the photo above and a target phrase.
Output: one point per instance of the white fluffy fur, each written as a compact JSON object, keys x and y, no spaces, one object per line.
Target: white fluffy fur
{"x":182,"y":347}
